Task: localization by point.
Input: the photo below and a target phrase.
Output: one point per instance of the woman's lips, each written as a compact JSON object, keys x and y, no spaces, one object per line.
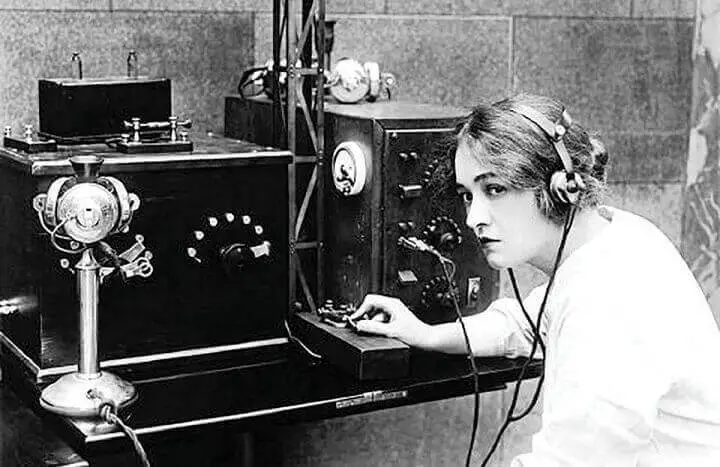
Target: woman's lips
{"x":485,"y":242}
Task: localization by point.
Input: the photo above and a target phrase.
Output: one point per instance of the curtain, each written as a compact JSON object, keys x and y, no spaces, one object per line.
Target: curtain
{"x":701,"y":203}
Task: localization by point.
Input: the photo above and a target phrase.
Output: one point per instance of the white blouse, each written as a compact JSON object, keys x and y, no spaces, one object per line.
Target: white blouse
{"x":632,"y":373}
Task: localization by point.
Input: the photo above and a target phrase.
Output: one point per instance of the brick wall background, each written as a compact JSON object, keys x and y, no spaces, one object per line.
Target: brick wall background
{"x":622,"y":67}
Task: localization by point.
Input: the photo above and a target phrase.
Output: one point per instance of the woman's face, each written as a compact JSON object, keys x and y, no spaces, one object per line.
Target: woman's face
{"x":511,"y":229}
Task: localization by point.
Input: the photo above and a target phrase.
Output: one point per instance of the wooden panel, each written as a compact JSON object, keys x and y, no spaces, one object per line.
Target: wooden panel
{"x":363,"y":356}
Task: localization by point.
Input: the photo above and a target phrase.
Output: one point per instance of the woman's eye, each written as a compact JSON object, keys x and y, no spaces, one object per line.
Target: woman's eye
{"x":495,"y":190}
{"x":466,"y":197}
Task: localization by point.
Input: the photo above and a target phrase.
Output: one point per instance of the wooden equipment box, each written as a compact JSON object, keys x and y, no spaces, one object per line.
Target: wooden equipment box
{"x":365,"y":357}
{"x":76,"y":111}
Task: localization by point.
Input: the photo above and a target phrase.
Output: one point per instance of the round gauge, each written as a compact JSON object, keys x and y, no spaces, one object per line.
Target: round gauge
{"x":349,"y":168}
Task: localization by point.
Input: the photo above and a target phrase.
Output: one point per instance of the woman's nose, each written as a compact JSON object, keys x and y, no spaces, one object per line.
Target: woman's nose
{"x":478,"y":215}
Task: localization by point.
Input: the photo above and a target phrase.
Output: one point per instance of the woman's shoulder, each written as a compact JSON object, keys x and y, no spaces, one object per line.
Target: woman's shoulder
{"x":635,"y":236}
{"x":632,"y":257}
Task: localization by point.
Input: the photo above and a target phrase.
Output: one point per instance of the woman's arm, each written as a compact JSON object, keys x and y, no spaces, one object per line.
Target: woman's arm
{"x":501,"y":330}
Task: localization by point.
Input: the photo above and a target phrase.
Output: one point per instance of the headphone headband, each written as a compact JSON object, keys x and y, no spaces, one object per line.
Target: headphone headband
{"x":565,"y":185}
{"x":554,"y":131}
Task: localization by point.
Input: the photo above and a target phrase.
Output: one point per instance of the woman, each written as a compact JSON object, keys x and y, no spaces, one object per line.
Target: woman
{"x":631,"y":344}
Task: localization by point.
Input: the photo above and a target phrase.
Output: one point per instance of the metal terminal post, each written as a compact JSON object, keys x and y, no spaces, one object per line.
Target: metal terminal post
{"x":28,"y":133}
{"x":173,"y":128}
{"x":76,"y":59}
{"x":132,"y":64}
{"x":135,"y":129}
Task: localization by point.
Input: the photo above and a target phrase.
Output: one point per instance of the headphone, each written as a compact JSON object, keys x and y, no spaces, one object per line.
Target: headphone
{"x":565,"y":185}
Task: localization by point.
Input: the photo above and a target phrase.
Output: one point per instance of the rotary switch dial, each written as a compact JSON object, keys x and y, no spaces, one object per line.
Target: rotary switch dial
{"x":436,"y":294}
{"x":231,"y":241}
{"x":443,"y":233}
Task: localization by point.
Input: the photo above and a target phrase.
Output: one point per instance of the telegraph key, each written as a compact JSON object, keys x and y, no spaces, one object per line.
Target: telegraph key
{"x":170,"y":141}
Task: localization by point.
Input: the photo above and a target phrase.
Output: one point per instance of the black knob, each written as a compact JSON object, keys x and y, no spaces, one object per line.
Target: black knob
{"x":236,"y":256}
{"x":443,"y":233}
{"x":406,"y":227}
{"x":437,"y":294}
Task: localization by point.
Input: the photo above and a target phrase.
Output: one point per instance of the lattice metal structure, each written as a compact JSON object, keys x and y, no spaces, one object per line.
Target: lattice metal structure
{"x":302,"y":108}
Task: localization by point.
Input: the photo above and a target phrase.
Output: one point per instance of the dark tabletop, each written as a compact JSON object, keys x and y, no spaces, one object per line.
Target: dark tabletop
{"x":292,"y":388}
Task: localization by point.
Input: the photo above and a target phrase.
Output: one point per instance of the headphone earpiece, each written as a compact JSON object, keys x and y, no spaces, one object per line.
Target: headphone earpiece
{"x":565,"y":185}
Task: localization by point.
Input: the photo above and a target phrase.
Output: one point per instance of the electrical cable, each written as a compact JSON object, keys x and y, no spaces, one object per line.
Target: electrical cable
{"x":516,"y":290}
{"x":107,"y":410}
{"x":108,"y":414}
{"x":476,"y":376}
{"x":54,"y":236}
{"x":49,"y":230}
{"x":566,"y":231}
{"x":510,"y":418}
{"x":445,"y":263}
{"x":302,"y":345}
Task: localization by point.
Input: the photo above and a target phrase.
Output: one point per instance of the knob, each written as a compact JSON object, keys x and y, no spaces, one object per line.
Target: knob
{"x":406,"y":227}
{"x":237,"y":256}
{"x":228,"y":243}
{"x":443,"y":233}
{"x":436,"y":293}
{"x":410,"y":191}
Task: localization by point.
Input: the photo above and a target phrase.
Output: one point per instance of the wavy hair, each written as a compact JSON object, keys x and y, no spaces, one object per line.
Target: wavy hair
{"x":522,"y":155}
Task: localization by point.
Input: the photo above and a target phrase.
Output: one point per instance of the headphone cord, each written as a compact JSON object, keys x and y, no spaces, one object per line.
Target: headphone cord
{"x":537,"y":340}
{"x":449,"y":273}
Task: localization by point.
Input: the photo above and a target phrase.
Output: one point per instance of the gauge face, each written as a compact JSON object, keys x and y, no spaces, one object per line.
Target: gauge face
{"x":344,"y":168}
{"x":349,"y":169}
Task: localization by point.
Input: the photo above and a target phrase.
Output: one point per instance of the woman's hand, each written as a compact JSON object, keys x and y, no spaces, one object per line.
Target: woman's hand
{"x":390,"y":317}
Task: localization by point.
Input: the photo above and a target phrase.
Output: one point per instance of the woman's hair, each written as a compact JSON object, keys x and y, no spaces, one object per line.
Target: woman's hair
{"x":522,"y":155}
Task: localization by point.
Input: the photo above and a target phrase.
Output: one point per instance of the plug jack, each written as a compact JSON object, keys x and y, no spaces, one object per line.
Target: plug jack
{"x":473,"y":292}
